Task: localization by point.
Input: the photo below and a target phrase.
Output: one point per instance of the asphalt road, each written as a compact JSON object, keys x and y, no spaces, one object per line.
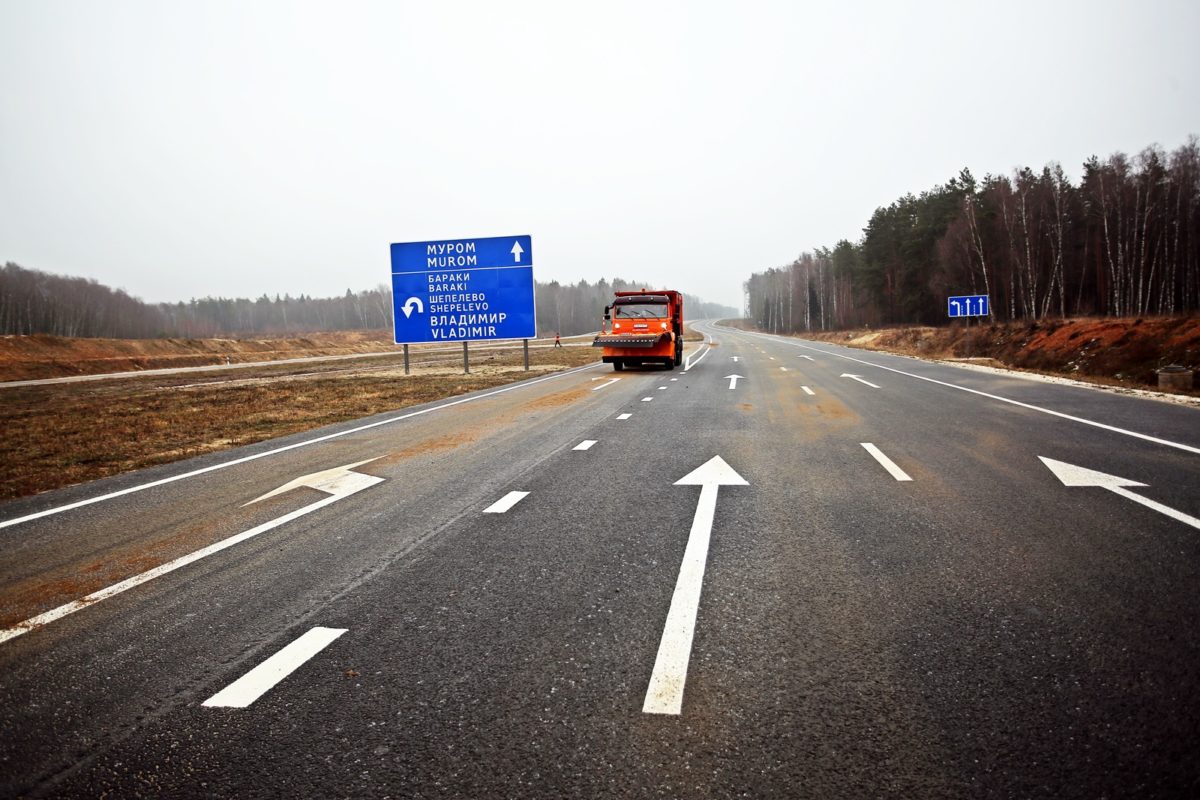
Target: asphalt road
{"x":938,"y":615}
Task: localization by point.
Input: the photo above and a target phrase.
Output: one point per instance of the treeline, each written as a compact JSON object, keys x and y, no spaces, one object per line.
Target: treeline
{"x":571,"y":309}
{"x":1125,"y":241}
{"x":32,"y":302}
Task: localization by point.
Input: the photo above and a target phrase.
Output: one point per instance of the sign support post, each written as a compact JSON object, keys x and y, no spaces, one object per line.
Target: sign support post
{"x":406,"y":359}
{"x":525,"y":347}
{"x":967,"y":306}
{"x":466,"y":360}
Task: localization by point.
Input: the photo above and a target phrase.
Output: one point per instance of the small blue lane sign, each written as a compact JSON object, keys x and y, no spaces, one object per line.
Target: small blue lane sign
{"x":968,"y":305}
{"x":463,"y":290}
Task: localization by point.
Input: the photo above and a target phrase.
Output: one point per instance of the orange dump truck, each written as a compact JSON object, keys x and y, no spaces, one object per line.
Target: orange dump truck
{"x":647,"y":328}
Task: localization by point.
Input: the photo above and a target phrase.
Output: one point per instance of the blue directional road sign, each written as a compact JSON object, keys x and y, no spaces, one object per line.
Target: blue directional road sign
{"x":968,"y":305}
{"x":463,"y":290}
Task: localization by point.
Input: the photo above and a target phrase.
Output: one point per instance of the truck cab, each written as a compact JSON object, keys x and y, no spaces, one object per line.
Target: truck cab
{"x":647,"y":328}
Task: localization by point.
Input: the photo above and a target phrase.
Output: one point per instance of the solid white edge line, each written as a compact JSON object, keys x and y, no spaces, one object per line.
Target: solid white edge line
{"x":505,"y":503}
{"x":245,"y":459}
{"x":887,"y":463}
{"x":586,"y":444}
{"x":1018,"y":403}
{"x":46,"y":617}
{"x":258,"y":681}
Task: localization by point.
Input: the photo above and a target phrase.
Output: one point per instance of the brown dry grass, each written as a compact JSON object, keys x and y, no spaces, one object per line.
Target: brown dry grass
{"x":64,"y":434}
{"x":40,"y":357}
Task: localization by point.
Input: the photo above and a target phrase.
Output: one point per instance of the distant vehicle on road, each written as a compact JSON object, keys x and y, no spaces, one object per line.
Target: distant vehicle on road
{"x":647,"y":328}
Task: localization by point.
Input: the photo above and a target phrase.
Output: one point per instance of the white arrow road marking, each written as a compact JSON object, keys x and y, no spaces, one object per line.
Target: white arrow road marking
{"x":624,"y":416}
{"x":516,"y":252}
{"x":688,"y":363}
{"x":860,"y":380}
{"x":807,"y":390}
{"x":733,"y":379}
{"x":409,"y":304}
{"x":141,"y":487}
{"x":586,"y":444}
{"x":505,"y":503}
{"x":887,"y":463}
{"x":665,"y":693}
{"x":338,"y":483}
{"x":609,"y":382}
{"x":1071,"y":475}
{"x":258,"y":681}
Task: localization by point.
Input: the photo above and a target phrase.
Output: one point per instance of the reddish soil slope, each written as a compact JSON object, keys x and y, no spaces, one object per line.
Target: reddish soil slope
{"x":1125,"y":351}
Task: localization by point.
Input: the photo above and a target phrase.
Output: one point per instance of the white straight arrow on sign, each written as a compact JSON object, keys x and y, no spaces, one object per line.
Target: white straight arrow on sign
{"x":733,"y":379}
{"x":1071,"y":475}
{"x":665,"y":693}
{"x":337,"y":483}
{"x":516,"y":251}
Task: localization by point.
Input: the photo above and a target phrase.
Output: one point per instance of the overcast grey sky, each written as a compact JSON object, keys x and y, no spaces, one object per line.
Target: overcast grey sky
{"x":179,"y":150}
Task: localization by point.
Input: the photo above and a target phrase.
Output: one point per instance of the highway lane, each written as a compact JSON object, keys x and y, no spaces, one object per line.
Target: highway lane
{"x":980,"y":629}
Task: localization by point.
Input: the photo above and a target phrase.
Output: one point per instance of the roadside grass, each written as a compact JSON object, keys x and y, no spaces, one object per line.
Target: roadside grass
{"x":60,"y":435}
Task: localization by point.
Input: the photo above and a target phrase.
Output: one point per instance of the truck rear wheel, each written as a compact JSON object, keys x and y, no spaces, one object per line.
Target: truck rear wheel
{"x":618,"y":366}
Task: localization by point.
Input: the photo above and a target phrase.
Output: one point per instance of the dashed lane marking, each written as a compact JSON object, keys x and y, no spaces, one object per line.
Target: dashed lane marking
{"x":586,"y":444}
{"x":317,"y":440}
{"x":258,"y":681}
{"x":887,"y":463}
{"x":1082,"y":420}
{"x":505,"y":503}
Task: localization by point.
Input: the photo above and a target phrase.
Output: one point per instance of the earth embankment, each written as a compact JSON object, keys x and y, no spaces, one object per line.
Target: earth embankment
{"x":1126,"y":352}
